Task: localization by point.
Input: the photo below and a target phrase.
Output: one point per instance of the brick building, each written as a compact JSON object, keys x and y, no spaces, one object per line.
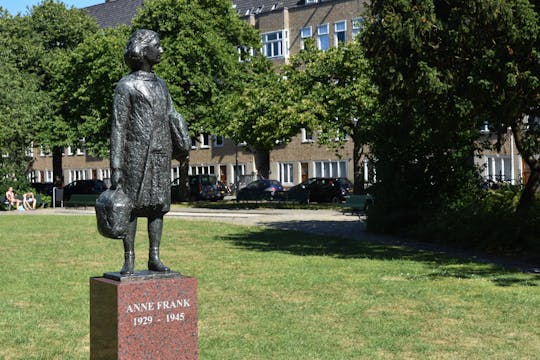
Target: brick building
{"x":283,"y":25}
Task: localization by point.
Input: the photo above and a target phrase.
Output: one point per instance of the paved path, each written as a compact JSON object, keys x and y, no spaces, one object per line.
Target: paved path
{"x":321,"y":222}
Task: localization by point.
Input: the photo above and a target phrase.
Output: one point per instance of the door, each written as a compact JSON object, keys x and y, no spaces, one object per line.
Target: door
{"x":305,"y":173}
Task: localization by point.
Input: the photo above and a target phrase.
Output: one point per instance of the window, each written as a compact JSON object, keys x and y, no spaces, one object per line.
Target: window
{"x":322,"y":37}
{"x":307,"y":136}
{"x":205,"y":141}
{"x":44,"y":151}
{"x":340,"y":32}
{"x":218,"y":141}
{"x":202,"y":170}
{"x":193,"y":143}
{"x":175,"y":172}
{"x":311,"y":1}
{"x":286,"y":173}
{"x":305,"y":33}
{"x":104,"y":174}
{"x":330,"y":169}
{"x":498,"y":168}
{"x":48,"y":176}
{"x":275,"y":44}
{"x":77,"y":175}
{"x":356,"y":26}
{"x":80,"y":152}
{"x":68,"y":151}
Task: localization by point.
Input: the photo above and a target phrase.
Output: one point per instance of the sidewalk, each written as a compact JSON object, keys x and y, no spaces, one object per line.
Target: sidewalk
{"x":320,"y":222}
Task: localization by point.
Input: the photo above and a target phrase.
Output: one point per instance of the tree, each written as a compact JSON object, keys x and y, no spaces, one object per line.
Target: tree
{"x":443,"y":69}
{"x":334,"y":94}
{"x":261,"y":114}
{"x":20,"y":105}
{"x":203,"y":42}
{"x":85,"y":80}
{"x":426,"y":134}
{"x":54,"y":31}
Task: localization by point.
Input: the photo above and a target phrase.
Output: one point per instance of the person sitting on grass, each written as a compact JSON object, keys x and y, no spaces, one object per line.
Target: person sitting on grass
{"x":11,"y":198}
{"x":29,"y":201}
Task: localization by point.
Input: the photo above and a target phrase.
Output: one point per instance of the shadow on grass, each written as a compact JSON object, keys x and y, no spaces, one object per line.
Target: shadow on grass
{"x":443,"y":265}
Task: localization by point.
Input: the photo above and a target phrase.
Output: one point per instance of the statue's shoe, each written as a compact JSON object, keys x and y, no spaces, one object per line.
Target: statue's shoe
{"x":157,"y":265}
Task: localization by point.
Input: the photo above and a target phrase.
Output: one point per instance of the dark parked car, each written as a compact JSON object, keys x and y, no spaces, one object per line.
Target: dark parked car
{"x":260,"y":190}
{"x":43,"y":188}
{"x":201,"y":187}
{"x":87,"y":187}
{"x":324,"y":189}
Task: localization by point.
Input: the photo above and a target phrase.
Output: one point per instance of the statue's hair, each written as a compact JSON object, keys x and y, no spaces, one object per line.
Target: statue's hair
{"x":134,"y":53}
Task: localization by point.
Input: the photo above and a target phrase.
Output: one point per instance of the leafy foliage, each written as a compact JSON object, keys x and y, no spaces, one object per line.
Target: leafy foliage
{"x":334,"y":95}
{"x":443,"y":69}
{"x":201,"y":40}
{"x":86,"y":80}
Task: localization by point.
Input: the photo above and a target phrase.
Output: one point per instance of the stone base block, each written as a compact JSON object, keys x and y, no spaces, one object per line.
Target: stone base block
{"x":143,"y":320}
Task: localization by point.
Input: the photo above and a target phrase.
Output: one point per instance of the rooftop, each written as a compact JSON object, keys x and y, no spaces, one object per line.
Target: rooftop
{"x":117,"y":12}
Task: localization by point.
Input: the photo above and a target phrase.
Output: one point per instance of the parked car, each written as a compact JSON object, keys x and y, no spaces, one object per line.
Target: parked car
{"x":324,"y":189}
{"x":201,"y":187}
{"x":87,"y":187}
{"x":43,"y":188}
{"x":263,"y":189}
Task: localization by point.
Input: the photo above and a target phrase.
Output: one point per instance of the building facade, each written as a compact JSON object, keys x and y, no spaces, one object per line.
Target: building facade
{"x":284,"y":26}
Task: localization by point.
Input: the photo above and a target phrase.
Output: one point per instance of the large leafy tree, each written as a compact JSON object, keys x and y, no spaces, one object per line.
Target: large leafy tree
{"x":261,"y":114}
{"x":21,"y":104}
{"x":201,"y":39}
{"x":38,"y":41}
{"x":85,"y":81}
{"x":443,"y":69}
{"x":203,"y":42}
{"x":334,"y":95}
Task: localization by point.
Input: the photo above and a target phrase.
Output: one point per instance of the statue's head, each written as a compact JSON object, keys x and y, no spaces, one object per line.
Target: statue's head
{"x":143,"y":49}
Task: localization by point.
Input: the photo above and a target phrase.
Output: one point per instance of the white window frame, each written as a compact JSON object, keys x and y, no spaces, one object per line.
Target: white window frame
{"x":305,"y":33}
{"x":193,"y":143}
{"x":338,"y":30}
{"x":356,"y":25}
{"x":323,"y":32}
{"x":286,"y":173}
{"x":275,"y":44}
{"x":307,"y":136}
{"x":311,"y":2}
{"x":202,"y":170}
{"x":205,"y":141}
{"x":330,"y":168}
{"x":104,"y":174}
{"x":48,"y":175}
{"x":79,"y":174}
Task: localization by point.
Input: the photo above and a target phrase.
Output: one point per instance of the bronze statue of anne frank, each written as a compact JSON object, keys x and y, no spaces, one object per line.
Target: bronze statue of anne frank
{"x":146,"y":130}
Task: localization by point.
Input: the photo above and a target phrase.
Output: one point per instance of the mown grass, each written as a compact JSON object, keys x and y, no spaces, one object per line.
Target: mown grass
{"x":269,"y":294}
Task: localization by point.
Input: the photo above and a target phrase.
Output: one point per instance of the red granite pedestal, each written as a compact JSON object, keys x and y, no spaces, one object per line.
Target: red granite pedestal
{"x":143,"y":319}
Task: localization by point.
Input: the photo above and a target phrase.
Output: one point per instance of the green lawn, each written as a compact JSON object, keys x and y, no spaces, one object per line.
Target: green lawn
{"x":268,"y":294}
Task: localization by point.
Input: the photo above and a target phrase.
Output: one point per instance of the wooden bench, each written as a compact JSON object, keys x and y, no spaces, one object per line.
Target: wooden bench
{"x":357,"y":203}
{"x":81,"y":200}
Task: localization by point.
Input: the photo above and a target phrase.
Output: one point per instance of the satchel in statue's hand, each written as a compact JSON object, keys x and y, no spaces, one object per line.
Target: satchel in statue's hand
{"x":113,"y":212}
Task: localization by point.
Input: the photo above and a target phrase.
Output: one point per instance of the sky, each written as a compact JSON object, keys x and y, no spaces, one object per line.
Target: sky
{"x":19,"y":6}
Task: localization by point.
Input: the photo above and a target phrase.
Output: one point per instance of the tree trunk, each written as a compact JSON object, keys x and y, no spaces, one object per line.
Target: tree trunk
{"x":526,"y":200}
{"x":358,"y":168}
{"x":528,"y":193}
{"x":262,"y":162}
{"x":58,"y":174}
{"x":183,"y":182}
